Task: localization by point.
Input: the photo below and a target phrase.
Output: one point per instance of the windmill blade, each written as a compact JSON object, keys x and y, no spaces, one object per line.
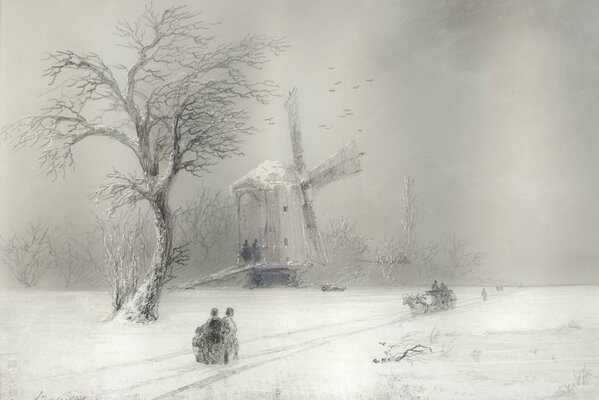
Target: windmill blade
{"x":315,"y":247}
{"x":342,"y":164}
{"x":296,"y":132}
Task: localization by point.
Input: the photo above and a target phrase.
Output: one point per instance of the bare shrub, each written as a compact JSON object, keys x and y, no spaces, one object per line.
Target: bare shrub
{"x":209,"y":223}
{"x":388,"y":258}
{"x":70,"y":263}
{"x":581,"y":376}
{"x":127,"y":252}
{"x":30,"y":255}
{"x":346,"y":249}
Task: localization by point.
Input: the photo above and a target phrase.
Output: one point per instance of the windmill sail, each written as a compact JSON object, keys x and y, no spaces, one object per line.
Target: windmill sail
{"x":316,"y":250}
{"x":343,"y":163}
{"x":295,"y":130}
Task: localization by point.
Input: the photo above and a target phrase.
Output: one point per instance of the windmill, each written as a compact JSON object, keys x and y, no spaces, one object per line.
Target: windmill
{"x":274,"y":200}
{"x":274,"y":209}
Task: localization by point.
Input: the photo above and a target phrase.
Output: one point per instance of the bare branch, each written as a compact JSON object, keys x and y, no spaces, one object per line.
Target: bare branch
{"x":55,"y":135}
{"x":122,"y":191}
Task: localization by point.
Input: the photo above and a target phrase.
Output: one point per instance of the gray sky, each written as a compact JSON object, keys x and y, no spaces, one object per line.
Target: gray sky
{"x":491,"y":106}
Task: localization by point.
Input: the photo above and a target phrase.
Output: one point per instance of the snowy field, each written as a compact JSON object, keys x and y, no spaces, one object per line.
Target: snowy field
{"x":527,"y":343}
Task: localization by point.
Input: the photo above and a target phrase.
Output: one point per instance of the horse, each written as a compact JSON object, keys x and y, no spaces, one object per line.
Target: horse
{"x":417,"y":303}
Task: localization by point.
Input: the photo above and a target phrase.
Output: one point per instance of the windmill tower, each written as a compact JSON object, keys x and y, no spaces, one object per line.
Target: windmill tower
{"x":274,"y":203}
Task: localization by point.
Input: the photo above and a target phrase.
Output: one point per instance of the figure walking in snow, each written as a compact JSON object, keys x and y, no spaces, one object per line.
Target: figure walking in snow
{"x":230,"y":335}
{"x":435,"y":286}
{"x":484,"y":294}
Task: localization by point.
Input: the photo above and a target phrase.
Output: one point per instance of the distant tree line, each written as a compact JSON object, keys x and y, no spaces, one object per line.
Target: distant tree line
{"x":355,"y":258}
{"x":116,"y":251}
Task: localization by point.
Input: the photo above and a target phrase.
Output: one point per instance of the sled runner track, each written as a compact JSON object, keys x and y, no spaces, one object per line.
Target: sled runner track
{"x":308,"y":345}
{"x":203,"y":367}
{"x":298,"y":348}
{"x":188,"y":351}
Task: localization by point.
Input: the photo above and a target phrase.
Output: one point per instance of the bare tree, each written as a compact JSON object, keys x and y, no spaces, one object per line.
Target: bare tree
{"x":462,"y":259}
{"x":209,"y":223}
{"x":178,"y":109}
{"x":408,"y":223}
{"x":28,"y":256}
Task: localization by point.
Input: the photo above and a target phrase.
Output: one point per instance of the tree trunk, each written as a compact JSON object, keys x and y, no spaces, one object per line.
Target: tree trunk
{"x":143,"y":305}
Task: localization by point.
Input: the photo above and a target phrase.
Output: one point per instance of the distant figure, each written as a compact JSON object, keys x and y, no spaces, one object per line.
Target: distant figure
{"x":435,"y":286}
{"x":230,"y":336}
{"x":484,"y":294}
{"x":443,"y":287}
{"x":246,"y":252}
{"x":256,"y":252}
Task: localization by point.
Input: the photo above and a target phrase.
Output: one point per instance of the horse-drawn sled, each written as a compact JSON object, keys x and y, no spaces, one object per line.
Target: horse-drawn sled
{"x":430,"y":301}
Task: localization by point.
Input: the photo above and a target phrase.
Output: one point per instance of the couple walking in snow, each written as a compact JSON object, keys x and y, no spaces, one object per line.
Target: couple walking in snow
{"x":216,"y":341}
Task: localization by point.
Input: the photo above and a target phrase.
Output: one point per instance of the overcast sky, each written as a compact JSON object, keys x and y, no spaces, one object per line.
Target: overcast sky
{"x":491,"y":106}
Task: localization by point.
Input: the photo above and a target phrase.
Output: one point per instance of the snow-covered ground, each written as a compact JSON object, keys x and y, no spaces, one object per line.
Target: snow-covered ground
{"x":527,"y":343}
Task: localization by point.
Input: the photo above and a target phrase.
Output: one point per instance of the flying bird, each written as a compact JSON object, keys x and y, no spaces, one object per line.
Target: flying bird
{"x":355,"y":87}
{"x":331,"y":68}
{"x":271,"y":123}
{"x":360,"y":130}
{"x":332,"y":90}
{"x":347,"y":110}
{"x":337,"y":83}
{"x":342,"y":116}
{"x":370,"y":80}
{"x":322,"y":126}
{"x":269,"y":119}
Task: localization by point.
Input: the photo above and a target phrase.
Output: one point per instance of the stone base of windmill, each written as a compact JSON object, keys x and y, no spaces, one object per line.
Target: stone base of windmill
{"x":265,"y":276}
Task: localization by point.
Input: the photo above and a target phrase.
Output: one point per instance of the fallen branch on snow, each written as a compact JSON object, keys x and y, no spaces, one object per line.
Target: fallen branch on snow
{"x":411,"y":354}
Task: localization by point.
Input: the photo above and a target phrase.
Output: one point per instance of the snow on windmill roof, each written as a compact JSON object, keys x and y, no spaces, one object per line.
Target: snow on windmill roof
{"x":269,"y":173}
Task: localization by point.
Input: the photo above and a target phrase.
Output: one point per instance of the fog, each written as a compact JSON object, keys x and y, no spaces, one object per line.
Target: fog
{"x":491,"y":106}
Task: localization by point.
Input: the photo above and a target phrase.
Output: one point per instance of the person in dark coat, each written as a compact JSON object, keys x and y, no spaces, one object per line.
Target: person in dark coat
{"x":256,"y":252}
{"x":213,"y":328}
{"x":208,"y":344}
{"x":435,"y":286}
{"x":246,"y":252}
